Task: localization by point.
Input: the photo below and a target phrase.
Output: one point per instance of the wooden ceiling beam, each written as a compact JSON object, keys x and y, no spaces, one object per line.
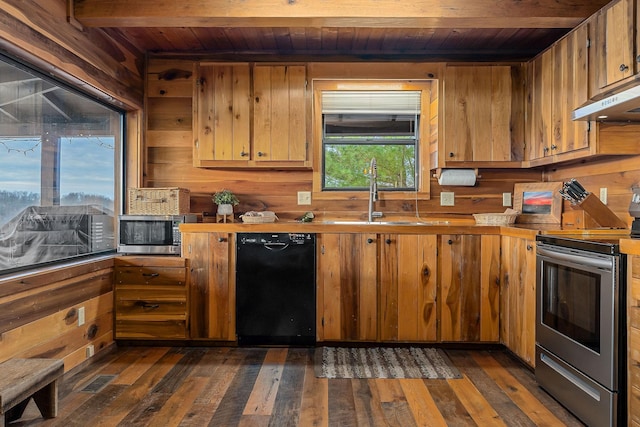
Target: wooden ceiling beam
{"x":335,"y":13}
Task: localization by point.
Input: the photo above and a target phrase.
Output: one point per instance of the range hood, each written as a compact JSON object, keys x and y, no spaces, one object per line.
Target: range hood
{"x":621,"y":107}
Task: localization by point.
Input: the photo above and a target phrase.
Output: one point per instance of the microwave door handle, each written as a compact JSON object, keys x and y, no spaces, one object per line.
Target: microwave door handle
{"x":577,"y":259}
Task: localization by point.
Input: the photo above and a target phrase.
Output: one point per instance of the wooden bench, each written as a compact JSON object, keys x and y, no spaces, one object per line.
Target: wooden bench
{"x":21,"y":379}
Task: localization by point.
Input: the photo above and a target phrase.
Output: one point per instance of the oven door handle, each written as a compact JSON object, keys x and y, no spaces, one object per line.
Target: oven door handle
{"x":577,"y":259}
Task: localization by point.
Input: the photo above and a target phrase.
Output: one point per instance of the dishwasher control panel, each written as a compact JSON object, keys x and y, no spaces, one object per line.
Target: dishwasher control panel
{"x":275,"y":238}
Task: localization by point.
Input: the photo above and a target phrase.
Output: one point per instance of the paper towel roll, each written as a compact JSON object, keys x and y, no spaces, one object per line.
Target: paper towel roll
{"x":462,"y":177}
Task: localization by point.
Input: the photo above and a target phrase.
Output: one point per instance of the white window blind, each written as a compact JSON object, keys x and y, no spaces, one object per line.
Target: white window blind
{"x":371,"y":102}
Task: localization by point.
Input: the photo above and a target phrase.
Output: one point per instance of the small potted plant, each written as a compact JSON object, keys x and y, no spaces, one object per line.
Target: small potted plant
{"x":226,"y":200}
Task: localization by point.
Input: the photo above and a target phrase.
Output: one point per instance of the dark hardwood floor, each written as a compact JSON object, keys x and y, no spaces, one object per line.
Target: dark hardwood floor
{"x":223,"y":386}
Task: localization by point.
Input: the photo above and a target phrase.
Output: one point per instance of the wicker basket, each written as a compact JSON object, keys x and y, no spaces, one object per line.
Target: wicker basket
{"x":259,"y":217}
{"x":159,"y":201}
{"x":495,"y":218}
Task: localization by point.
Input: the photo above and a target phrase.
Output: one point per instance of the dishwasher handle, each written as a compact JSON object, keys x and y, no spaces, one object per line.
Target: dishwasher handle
{"x":276,"y":246}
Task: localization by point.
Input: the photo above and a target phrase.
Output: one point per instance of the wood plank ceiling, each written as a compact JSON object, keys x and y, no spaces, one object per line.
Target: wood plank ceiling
{"x":425,"y":30}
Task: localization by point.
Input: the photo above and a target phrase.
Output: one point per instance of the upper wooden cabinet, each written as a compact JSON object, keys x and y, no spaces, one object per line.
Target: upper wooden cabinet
{"x":483,"y":116}
{"x":246,"y":117}
{"x":558,"y":84}
{"x":614,"y":45}
{"x":279,"y":114}
{"x":222,"y":120}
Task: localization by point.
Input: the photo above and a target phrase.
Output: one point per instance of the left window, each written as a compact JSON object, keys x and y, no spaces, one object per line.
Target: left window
{"x":58,"y":163}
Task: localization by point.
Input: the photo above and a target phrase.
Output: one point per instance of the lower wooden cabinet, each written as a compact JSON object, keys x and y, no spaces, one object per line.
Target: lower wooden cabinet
{"x":212,"y":285}
{"x":518,"y":299}
{"x":347,"y":287}
{"x":151,"y":297}
{"x":408,"y":287}
{"x":469,"y":288}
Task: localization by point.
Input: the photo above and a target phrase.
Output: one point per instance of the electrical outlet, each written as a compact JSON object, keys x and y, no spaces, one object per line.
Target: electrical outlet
{"x":603,"y":195}
{"x":304,"y":197}
{"x":506,"y":199}
{"x":81,"y":316}
{"x":90,"y":351}
{"x":447,"y":198}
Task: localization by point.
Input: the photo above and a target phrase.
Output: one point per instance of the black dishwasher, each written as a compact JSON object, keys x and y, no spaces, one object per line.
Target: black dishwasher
{"x":276,"y":288}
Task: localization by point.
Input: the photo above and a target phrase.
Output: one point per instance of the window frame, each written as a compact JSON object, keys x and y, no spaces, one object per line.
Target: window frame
{"x":118,"y":176}
{"x":423,"y":178}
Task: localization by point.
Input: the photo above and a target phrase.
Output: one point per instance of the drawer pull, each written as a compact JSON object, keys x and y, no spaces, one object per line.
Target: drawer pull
{"x":150,"y":274}
{"x":150,"y":306}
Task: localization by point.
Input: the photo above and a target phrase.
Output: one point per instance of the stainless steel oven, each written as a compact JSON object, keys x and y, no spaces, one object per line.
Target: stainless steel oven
{"x":580,"y":326}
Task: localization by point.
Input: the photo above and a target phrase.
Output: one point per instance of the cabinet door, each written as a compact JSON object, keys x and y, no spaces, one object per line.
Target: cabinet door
{"x":468,"y":302}
{"x":408,"y":287}
{"x":539,"y":106}
{"x":518,"y":299}
{"x":558,"y":80}
{"x":212,"y":289}
{"x":347,"y":287}
{"x":221,"y":118}
{"x":614,"y":56}
{"x":279,"y":113}
{"x":478,"y":114}
{"x":570,"y":91}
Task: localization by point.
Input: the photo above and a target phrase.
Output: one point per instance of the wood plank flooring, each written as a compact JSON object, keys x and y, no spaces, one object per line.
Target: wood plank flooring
{"x":224,"y":386}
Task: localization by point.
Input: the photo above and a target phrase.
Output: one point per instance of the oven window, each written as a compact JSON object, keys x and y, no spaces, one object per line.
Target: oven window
{"x":571,"y":303}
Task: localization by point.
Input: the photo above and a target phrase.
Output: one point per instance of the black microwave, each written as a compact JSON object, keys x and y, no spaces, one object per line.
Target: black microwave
{"x":151,"y":234}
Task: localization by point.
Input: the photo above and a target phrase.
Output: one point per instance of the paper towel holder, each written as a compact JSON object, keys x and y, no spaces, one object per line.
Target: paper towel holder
{"x":438,"y":172}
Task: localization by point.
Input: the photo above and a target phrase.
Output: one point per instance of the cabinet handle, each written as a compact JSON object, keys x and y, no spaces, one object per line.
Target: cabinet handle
{"x":529,"y":247}
{"x":369,"y":240}
{"x":243,"y":153}
{"x":260,"y":154}
{"x":388,"y":241}
{"x":553,"y":147}
{"x":450,"y":242}
{"x":221,"y":239}
{"x":150,"y":274}
{"x":624,"y":67}
{"x":546,"y":149}
{"x":451,"y":154}
{"x":151,"y":306}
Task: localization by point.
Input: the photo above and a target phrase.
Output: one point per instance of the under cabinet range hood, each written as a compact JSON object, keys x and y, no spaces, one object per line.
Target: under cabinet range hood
{"x":621,"y":107}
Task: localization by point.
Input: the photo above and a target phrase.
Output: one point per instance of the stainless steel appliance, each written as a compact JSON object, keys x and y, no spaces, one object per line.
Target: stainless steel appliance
{"x":151,"y":234}
{"x":580,"y":326}
{"x":276,"y":288}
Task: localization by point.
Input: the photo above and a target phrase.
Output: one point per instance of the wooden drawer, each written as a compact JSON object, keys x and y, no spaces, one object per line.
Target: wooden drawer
{"x":151,"y":309}
{"x":158,"y":329}
{"x":156,"y":276}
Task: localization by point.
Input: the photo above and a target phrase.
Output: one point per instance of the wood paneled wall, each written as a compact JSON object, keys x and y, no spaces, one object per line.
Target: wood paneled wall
{"x":617,"y":174}
{"x":169,"y":145}
{"x":39,"y":312}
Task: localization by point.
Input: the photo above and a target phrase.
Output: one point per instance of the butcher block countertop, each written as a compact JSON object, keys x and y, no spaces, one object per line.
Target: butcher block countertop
{"x":409,"y":225}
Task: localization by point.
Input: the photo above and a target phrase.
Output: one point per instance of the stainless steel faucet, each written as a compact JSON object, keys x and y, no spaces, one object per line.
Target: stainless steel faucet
{"x":373,"y":189}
